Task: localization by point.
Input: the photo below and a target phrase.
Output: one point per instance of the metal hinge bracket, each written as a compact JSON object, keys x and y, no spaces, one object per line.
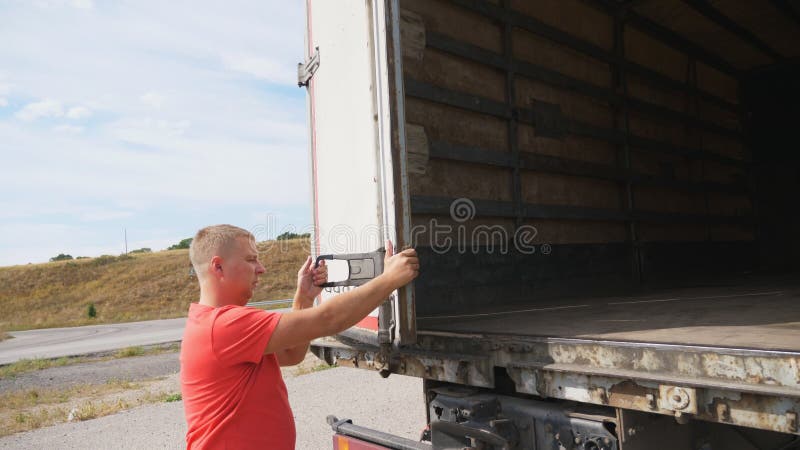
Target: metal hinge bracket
{"x":306,"y":70}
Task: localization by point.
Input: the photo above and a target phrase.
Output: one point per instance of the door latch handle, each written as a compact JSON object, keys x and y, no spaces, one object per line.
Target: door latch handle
{"x":361,"y":267}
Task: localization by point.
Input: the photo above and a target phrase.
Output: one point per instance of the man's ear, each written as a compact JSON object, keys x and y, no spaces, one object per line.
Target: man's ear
{"x":215,"y":266}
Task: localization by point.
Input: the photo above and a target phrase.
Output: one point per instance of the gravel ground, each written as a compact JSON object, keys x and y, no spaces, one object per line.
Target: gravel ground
{"x":129,"y":369}
{"x":394,"y":405}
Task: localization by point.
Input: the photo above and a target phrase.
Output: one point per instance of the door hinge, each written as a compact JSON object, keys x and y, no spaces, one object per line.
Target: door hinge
{"x":307,"y":69}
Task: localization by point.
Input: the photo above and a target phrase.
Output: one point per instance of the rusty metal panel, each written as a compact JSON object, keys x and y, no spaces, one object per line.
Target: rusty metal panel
{"x":466,"y":369}
{"x":751,"y":388}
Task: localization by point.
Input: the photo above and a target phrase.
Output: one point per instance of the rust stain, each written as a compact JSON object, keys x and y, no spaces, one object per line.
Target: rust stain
{"x":765,"y":413}
{"x":630,"y":395}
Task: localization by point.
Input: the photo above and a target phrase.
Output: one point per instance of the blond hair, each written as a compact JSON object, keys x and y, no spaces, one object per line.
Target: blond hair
{"x":212,"y":241}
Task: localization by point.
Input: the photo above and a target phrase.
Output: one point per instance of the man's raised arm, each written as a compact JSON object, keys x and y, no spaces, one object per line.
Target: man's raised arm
{"x":347,"y":309}
{"x":309,"y":281}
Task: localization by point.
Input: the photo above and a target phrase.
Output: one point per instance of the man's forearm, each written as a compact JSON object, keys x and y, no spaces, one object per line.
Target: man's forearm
{"x":294,"y":355}
{"x":346,"y":309}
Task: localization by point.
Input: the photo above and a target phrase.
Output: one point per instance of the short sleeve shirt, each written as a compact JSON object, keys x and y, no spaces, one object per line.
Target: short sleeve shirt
{"x":233,"y":394}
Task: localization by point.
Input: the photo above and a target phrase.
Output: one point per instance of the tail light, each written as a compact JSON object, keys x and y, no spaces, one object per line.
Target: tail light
{"x":342,"y":442}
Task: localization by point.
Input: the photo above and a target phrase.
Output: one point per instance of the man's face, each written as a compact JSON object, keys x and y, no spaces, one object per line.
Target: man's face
{"x":241,"y":271}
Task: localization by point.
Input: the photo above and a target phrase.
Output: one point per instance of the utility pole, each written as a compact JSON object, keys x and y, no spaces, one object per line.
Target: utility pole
{"x":125,"y":233}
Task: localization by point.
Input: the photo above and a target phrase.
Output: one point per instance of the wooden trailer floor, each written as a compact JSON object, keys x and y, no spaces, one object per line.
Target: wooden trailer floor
{"x":755,"y":315}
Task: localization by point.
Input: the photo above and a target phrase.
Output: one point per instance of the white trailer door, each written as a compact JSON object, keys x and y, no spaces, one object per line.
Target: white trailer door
{"x":357,"y":146}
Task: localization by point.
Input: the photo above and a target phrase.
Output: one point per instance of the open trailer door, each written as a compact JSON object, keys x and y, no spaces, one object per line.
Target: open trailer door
{"x":359,"y":196}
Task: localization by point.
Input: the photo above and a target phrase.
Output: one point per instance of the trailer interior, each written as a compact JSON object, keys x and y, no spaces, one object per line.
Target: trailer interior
{"x":609,"y":170}
{"x":603,"y":195}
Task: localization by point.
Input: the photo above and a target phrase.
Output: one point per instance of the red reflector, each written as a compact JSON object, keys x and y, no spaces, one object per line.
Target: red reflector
{"x":369,"y":322}
{"x":341,"y":442}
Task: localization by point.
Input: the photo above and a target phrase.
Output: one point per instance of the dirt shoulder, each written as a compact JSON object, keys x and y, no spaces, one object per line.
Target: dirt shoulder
{"x":393,"y":404}
{"x":131,"y":369}
{"x":94,"y":389}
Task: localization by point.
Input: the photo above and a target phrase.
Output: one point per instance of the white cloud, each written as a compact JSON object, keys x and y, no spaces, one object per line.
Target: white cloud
{"x":50,"y":108}
{"x":69,"y":129}
{"x":5,"y":89}
{"x":43,"y":108}
{"x":164,"y":174}
{"x":149,"y":131}
{"x":77,"y":4}
{"x":95,"y":216}
{"x":153,"y":99}
{"x":259,"y":67}
{"x":78,"y":112}
{"x":174,"y":110}
{"x":23,"y":243}
{"x":82,"y":4}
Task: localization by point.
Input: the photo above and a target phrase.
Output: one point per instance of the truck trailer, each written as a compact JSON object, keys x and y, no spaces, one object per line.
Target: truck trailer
{"x":603,"y":196}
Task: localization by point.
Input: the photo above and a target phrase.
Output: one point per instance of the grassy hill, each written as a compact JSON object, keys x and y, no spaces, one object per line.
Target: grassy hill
{"x":126,"y":288}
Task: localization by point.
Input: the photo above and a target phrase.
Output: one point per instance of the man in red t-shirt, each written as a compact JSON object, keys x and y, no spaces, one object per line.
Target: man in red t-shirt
{"x":233,"y":393}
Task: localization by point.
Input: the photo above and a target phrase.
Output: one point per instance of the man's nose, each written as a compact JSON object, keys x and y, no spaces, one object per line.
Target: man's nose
{"x":260,"y":269}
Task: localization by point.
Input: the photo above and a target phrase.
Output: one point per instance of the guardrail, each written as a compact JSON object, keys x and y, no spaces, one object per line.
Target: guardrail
{"x":271,"y":302}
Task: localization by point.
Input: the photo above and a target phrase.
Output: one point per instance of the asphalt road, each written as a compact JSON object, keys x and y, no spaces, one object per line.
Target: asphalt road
{"x":58,"y":342}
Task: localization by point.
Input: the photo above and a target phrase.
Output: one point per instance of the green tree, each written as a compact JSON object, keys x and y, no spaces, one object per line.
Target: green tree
{"x":91,"y":311}
{"x":185,"y":243}
{"x":61,"y":257}
{"x":289,"y":235}
{"x":141,"y":250}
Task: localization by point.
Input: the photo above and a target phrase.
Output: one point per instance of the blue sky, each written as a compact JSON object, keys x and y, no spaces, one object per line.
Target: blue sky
{"x":151,"y":116}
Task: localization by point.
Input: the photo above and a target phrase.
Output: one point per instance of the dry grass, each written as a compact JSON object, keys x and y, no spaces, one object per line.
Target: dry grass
{"x":29,"y":409}
{"x":310,"y":364}
{"x":19,"y":400}
{"x":318,"y":367}
{"x":30,"y":365}
{"x":36,"y":408}
{"x":125,"y":288}
{"x":129,"y":352}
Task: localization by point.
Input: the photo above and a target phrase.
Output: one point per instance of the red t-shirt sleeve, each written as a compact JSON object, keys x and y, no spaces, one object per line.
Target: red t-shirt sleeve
{"x":240,"y":334}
